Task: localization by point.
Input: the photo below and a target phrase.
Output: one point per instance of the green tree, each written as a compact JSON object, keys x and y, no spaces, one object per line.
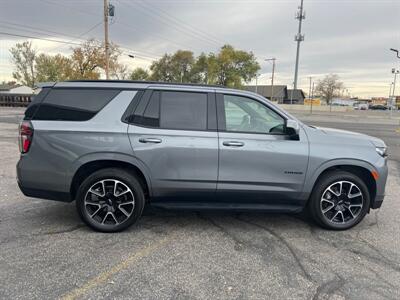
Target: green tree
{"x":235,"y":66}
{"x":329,"y":87}
{"x":23,"y":56}
{"x":53,"y":68}
{"x":139,"y":74}
{"x":182,"y":63}
{"x":161,"y":70}
{"x":205,"y":69}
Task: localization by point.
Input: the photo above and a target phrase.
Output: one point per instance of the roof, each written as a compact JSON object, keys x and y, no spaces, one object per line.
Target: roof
{"x":5,"y":87}
{"x":266,"y":90}
{"x":297,"y":94}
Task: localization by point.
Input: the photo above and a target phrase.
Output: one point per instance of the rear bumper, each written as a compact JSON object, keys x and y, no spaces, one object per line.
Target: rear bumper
{"x":45,"y":194}
{"x":377,"y":203}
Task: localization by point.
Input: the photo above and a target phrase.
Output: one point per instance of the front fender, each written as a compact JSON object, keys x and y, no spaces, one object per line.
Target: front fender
{"x":313,"y":176}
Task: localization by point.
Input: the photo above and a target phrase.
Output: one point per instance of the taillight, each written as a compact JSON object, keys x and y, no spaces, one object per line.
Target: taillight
{"x":25,"y":136}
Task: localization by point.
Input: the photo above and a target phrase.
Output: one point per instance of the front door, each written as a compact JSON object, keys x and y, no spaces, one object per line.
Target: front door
{"x":258,"y":162}
{"x":174,"y":134}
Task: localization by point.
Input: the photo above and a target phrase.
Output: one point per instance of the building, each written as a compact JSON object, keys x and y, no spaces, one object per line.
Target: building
{"x":294,"y":97}
{"x":343,"y":102}
{"x":15,"y":95}
{"x":279,"y":91}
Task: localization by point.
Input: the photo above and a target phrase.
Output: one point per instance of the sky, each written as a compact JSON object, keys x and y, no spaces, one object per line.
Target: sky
{"x":350,"y":38}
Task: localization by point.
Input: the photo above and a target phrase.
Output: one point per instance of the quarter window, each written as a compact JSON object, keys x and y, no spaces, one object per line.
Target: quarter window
{"x":73,"y":104}
{"x":247,"y":115}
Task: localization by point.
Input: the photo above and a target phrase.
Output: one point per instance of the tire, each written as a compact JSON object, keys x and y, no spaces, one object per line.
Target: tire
{"x":339,"y":212}
{"x":110,"y":200}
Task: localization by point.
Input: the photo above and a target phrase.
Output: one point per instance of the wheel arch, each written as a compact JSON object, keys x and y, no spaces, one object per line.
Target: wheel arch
{"x":88,"y":166}
{"x":359,"y":168}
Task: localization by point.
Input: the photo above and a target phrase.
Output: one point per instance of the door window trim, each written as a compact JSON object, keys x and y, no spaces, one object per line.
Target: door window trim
{"x":221,"y":119}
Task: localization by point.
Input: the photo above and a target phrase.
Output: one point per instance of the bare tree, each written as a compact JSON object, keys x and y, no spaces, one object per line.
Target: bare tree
{"x":329,"y":87}
{"x":23,"y":57}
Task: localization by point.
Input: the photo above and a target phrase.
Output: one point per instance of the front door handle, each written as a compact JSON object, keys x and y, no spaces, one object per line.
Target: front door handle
{"x":150,"y":140}
{"x":233,"y":144}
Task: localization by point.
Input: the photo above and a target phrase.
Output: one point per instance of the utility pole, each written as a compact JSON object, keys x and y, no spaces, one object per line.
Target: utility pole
{"x":106,"y":45}
{"x":312,"y":95}
{"x":300,"y":15}
{"x":272,"y":78}
{"x":256,"y":83}
{"x":309,"y":93}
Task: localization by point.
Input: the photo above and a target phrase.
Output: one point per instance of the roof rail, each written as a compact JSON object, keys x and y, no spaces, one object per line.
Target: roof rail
{"x":148,"y":82}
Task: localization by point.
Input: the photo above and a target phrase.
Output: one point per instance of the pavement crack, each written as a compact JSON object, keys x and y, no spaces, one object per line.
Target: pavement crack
{"x":328,"y":288}
{"x":291,"y":249}
{"x":68,"y":230}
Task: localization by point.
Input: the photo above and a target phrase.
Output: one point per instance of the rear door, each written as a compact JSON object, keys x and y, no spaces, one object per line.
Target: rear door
{"x":258,"y":163}
{"x":173,"y":132}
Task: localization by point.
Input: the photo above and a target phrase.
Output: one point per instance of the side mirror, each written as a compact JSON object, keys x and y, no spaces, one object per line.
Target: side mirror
{"x":292,"y":128}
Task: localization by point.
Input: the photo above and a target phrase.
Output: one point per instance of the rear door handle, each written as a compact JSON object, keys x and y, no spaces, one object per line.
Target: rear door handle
{"x":233,"y":144}
{"x":150,"y":140}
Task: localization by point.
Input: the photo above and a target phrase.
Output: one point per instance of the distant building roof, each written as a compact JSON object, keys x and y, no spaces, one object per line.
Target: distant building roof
{"x":280,"y":91}
{"x":4,"y":87}
{"x":295,"y":94}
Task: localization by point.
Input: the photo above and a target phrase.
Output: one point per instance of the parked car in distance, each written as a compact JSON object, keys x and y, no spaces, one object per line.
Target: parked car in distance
{"x":116,"y":146}
{"x":361,"y":106}
{"x":378,"y":107}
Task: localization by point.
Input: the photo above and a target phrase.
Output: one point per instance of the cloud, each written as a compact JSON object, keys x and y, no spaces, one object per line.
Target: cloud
{"x":347,"y":37}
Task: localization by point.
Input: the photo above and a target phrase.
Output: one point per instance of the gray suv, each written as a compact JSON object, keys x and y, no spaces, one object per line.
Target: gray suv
{"x":116,"y":146}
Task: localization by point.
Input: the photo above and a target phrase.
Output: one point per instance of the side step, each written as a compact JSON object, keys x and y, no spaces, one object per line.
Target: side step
{"x":281,"y":208}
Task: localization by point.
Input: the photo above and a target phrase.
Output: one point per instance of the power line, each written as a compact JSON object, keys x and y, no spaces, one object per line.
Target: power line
{"x":30,"y":27}
{"x":176,"y":26}
{"x":37,"y":38}
{"x":131,"y":28}
{"x":81,"y":35}
{"x":178,"y":21}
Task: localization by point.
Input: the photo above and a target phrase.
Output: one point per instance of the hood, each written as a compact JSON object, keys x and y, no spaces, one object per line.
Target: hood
{"x":353,"y":135}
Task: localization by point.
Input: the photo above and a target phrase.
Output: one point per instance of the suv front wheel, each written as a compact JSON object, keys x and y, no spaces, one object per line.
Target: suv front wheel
{"x":110,"y":200}
{"x":340,"y":200}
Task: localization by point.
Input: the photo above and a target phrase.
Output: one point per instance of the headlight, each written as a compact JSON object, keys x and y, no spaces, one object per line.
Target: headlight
{"x":381,"y":151}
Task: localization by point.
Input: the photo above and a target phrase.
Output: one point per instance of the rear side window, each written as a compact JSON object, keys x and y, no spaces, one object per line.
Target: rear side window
{"x":183,"y":110}
{"x":172,"y":110}
{"x":74,"y":104}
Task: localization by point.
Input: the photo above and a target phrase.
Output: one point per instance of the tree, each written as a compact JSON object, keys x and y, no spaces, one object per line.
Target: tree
{"x":234,"y":66}
{"x":88,"y":60}
{"x":205,"y":69}
{"x":53,"y":68}
{"x":23,"y":57}
{"x":161,"y":70}
{"x":182,"y":63}
{"x":139,"y":74}
{"x":329,"y":87}
{"x":229,"y":67}
{"x":119,"y":71}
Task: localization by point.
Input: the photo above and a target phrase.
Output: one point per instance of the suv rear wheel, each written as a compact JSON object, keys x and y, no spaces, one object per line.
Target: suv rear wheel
{"x":340,"y":200}
{"x":110,"y":200}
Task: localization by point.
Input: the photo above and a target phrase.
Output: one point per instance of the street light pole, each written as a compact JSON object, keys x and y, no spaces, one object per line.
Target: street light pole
{"x":312,"y":95}
{"x":272,"y":78}
{"x":106,"y":12}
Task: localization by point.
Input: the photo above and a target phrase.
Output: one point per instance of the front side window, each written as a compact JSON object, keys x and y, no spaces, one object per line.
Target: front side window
{"x":247,"y":115}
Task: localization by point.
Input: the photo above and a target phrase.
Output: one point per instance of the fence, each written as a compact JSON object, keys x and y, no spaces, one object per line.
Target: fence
{"x":15,"y":100}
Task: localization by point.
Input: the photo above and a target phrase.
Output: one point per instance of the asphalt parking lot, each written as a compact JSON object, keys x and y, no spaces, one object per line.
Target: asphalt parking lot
{"x":46,"y":252}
